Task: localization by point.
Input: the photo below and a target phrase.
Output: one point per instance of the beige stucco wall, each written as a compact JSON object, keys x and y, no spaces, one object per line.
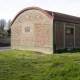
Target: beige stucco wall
{"x":40,"y":37}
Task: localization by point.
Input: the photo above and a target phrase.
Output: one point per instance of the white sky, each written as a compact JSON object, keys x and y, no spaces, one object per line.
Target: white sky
{"x":9,"y":8}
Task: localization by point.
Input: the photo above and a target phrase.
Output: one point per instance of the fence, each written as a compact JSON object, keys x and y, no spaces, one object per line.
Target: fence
{"x":5,"y":41}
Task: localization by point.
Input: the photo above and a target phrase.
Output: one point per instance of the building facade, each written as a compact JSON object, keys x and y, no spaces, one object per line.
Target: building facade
{"x":36,"y":29}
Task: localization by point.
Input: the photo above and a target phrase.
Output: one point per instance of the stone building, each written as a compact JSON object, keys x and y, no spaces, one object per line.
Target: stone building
{"x":40,"y":30}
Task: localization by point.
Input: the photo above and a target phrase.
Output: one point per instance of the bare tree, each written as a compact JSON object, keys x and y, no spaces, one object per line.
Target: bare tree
{"x":9,"y":24}
{"x":3,"y":24}
{"x":9,"y":28}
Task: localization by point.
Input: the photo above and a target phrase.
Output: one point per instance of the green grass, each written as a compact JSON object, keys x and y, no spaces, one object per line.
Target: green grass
{"x":30,"y":65}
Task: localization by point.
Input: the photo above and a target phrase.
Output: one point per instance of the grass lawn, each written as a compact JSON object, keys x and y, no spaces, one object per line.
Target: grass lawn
{"x":29,"y":65}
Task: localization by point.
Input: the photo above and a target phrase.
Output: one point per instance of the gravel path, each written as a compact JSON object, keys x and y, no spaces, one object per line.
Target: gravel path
{"x":5,"y":48}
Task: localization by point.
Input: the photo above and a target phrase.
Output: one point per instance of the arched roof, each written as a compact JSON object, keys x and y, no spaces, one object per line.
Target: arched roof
{"x":29,"y":8}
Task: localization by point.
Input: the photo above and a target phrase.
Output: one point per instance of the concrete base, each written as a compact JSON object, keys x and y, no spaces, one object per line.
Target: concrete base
{"x":40,"y":49}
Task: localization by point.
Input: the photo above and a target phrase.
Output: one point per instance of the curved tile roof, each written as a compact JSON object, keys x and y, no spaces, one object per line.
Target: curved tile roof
{"x":29,"y":8}
{"x":56,"y":16}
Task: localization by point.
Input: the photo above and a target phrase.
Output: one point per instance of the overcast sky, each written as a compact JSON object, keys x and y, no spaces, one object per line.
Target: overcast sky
{"x":9,"y":8}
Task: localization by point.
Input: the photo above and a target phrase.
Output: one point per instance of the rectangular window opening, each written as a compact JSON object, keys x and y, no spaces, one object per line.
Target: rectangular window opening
{"x":27,"y":29}
{"x":69,"y":30}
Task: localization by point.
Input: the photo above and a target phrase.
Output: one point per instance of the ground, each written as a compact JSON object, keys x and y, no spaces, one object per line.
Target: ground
{"x":30,"y":65}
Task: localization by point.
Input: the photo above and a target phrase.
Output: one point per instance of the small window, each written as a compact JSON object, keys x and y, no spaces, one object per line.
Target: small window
{"x":69,"y":30}
{"x":27,"y":29}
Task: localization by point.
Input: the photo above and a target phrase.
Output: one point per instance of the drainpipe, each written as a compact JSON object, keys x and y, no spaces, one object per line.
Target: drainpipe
{"x":54,"y":34}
